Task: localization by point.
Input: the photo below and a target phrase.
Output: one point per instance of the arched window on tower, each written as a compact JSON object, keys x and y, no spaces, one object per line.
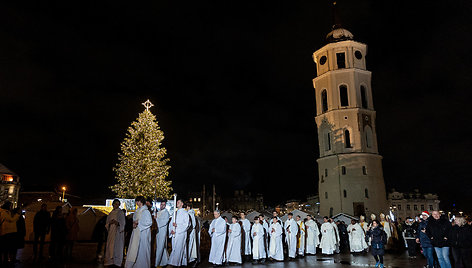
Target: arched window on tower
{"x":324,"y":100}
{"x":347,"y":139}
{"x":364,"y":102}
{"x":343,"y":95}
{"x":327,"y":141}
{"x":368,"y":136}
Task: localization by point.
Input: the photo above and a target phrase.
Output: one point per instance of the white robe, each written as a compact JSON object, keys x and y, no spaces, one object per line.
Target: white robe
{"x":276,"y":249}
{"x":116,"y":238}
{"x":233,"y":247}
{"x":218,"y":238}
{"x":258,"y":243}
{"x":247,"y":236}
{"x":328,"y":238}
{"x":178,"y":256}
{"x":312,"y":239}
{"x":291,"y":238}
{"x":301,"y":238}
{"x":387,"y":229}
{"x":364,"y":225}
{"x":192,"y":240}
{"x":162,"y":256}
{"x":335,"y":226}
{"x":356,"y":238}
{"x":139,"y":250}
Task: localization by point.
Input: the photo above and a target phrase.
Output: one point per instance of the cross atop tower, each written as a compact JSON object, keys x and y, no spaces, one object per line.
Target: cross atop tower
{"x":147,"y":104}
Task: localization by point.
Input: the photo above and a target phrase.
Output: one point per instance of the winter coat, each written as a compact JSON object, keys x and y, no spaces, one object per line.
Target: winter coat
{"x":460,"y":237}
{"x":437,"y":231}
{"x":7,"y":222}
{"x":41,"y":222}
{"x":424,"y":239}
{"x":378,"y":239}
{"x":409,"y":232}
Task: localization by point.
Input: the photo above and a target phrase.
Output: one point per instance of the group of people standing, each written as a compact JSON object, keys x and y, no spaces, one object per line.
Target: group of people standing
{"x":12,"y":234}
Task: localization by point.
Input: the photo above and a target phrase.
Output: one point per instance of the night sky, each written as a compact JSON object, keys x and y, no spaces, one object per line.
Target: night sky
{"x":232,"y":85}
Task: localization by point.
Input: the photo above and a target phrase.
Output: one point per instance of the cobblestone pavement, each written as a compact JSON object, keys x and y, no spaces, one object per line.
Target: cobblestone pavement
{"x":84,"y":256}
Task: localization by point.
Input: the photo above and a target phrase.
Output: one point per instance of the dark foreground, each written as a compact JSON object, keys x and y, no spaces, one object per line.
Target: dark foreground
{"x":84,"y":256}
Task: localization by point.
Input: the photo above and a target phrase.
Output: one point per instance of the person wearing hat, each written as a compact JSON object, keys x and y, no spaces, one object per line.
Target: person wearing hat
{"x":423,"y":239}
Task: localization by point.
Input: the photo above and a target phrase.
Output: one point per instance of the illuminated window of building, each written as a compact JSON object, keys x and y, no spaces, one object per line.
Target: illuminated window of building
{"x":343,"y":95}
{"x":324,"y":100}
{"x":347,"y":139}
{"x":343,"y":170}
{"x":341,"y":60}
{"x":199,"y":199}
{"x":7,"y":178}
{"x":408,"y":207}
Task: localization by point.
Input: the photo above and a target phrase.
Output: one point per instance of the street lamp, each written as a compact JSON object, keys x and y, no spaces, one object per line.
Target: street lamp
{"x":63,"y":192}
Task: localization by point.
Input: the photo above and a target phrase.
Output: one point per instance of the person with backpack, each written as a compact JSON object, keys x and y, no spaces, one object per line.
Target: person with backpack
{"x":378,"y":238}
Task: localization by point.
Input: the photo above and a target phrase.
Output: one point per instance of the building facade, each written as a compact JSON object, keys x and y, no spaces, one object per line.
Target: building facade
{"x":405,"y":205}
{"x":9,"y":186}
{"x":350,"y":167}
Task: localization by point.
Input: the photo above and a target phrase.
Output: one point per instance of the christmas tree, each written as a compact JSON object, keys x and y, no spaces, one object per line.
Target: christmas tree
{"x":142,"y":168}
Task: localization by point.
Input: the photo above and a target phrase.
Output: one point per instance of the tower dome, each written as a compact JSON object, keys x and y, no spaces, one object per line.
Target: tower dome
{"x":339,"y":34}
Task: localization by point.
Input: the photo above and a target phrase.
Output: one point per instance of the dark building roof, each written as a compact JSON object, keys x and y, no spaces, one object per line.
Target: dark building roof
{"x":5,"y":170}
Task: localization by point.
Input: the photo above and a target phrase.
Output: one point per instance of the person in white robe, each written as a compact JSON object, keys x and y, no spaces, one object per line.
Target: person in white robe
{"x":258,"y":243}
{"x":291,"y":232}
{"x":115,"y":226}
{"x":275,"y":214}
{"x":301,"y":236}
{"x":217,"y":233}
{"x":246,"y":232}
{"x":265,"y":224}
{"x":356,"y":237}
{"x":139,"y":249}
{"x":313,"y":232}
{"x":192,"y":240}
{"x":328,"y":237}
{"x":162,"y":219}
{"x":178,"y":232}
{"x":365,"y":226}
{"x":276,"y":249}
{"x":336,"y":230}
{"x":233,"y":247}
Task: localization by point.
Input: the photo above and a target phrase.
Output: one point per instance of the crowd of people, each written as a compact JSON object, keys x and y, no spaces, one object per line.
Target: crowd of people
{"x":152,"y":237}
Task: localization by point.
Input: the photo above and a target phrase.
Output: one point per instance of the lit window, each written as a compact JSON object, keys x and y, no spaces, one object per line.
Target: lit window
{"x":7,"y":178}
{"x":195,"y":199}
{"x":343,"y":95}
{"x":199,"y":199}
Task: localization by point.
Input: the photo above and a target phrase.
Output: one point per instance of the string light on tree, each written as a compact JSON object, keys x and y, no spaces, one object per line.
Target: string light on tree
{"x":142,"y":167}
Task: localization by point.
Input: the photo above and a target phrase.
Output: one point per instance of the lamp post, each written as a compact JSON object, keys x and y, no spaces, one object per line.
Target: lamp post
{"x":63,"y":193}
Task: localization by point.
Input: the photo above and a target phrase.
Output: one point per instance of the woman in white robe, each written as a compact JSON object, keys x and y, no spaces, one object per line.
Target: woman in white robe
{"x":328,"y":237}
{"x":258,"y":241}
{"x":246,"y":234}
{"x":312,"y":239}
{"x":276,"y":250}
{"x":217,"y":233}
{"x":178,"y":231}
{"x":139,"y":249}
{"x":356,"y":237}
{"x":115,"y":226}
{"x":233,"y":247}
{"x":162,"y":219}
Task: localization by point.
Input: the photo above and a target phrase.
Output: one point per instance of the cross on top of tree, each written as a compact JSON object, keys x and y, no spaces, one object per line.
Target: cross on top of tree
{"x":147,"y":104}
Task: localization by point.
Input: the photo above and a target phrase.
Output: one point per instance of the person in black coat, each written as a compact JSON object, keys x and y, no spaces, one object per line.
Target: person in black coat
{"x":460,"y":239}
{"x":58,"y":234}
{"x":41,"y":226}
{"x":438,"y":230}
{"x":20,"y":232}
{"x":378,"y":238}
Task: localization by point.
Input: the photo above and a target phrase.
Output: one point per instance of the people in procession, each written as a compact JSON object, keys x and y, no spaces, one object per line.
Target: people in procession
{"x":233,"y":247}
{"x":193,"y":234}
{"x":115,"y":225}
{"x":178,"y":233}
{"x":291,"y":231}
{"x":217,"y":233}
{"x":139,"y":249}
{"x":246,"y":235}
{"x":258,"y":242}
{"x":336,"y":233}
{"x":276,"y":250}
{"x":328,"y":237}
{"x":357,"y":241}
{"x":162,"y":218}
{"x":378,"y":239}
{"x":313,"y":232}
{"x":301,"y":236}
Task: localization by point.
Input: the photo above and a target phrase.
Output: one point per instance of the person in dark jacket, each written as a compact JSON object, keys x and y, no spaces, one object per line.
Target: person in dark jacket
{"x":20,"y":232}
{"x":378,"y":238}
{"x":437,"y":230}
{"x":58,"y":234}
{"x":409,"y":234}
{"x":460,"y":239}
{"x":41,"y":226}
{"x":423,"y":239}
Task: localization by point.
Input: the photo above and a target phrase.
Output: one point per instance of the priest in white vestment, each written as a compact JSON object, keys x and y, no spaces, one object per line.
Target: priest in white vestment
{"x":178,"y":232}
{"x":258,"y":242}
{"x":336,"y":230}
{"x":276,"y":249}
{"x":312,"y":238}
{"x":217,"y":233}
{"x":356,"y":237}
{"x":291,"y":232}
{"x":139,"y":249}
{"x":301,"y":236}
{"x":328,"y":237}
{"x":246,"y":238}
{"x":192,"y":240}
{"x":162,"y":219}
{"x":233,"y":247}
{"x":115,"y":226}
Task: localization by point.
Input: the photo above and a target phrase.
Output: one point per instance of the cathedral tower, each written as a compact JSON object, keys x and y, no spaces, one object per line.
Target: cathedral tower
{"x":350,"y":167}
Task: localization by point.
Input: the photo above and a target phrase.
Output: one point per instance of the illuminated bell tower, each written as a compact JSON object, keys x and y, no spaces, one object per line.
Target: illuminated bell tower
{"x":350,"y":167}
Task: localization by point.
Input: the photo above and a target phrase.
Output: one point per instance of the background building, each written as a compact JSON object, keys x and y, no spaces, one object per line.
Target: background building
{"x":405,"y":205}
{"x":350,"y":167}
{"x":9,"y":186}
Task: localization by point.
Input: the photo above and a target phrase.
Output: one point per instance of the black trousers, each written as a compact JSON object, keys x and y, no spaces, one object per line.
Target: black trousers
{"x":411,"y":247}
{"x":462,"y":257}
{"x":38,"y":238}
